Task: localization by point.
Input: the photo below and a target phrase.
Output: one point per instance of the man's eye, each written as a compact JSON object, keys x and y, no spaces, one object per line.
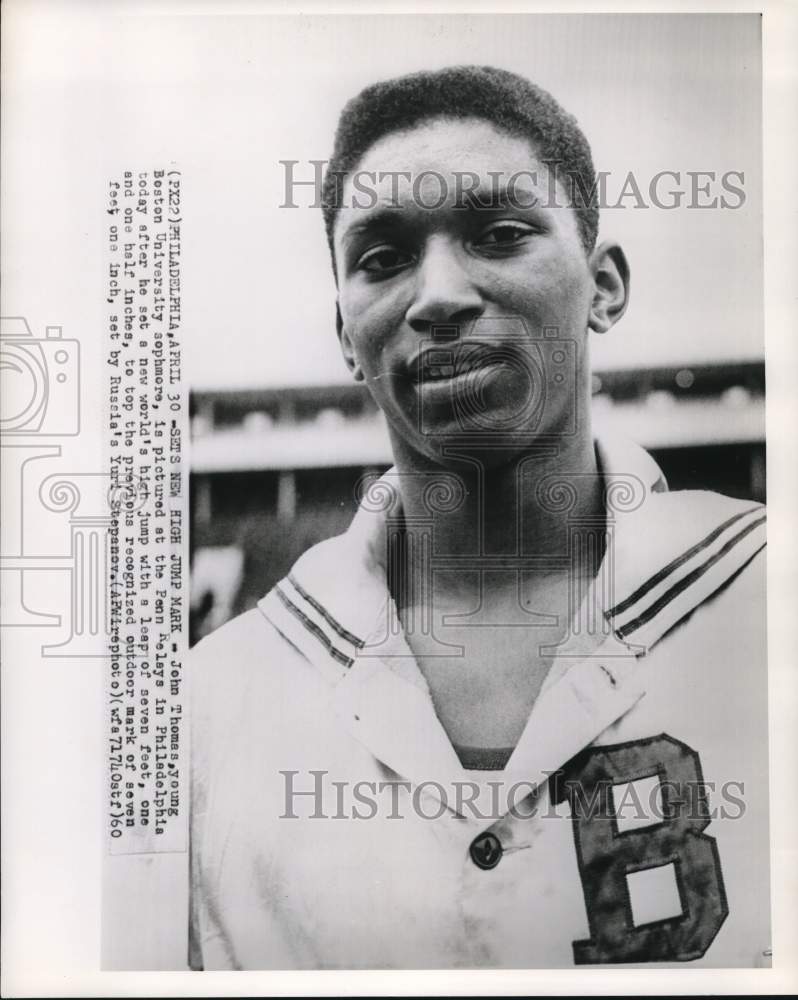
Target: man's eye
{"x":383,"y":260}
{"x":504,"y":234}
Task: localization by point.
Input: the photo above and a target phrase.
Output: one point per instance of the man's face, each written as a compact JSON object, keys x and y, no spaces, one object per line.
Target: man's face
{"x":505,"y":282}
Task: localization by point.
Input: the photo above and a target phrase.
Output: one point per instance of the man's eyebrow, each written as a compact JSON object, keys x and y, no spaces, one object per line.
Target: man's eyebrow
{"x":378,"y":218}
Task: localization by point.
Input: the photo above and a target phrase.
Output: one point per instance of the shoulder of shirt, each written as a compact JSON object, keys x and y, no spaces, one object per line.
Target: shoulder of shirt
{"x":245,"y":653}
{"x":742,"y":598}
{"x":243,"y":635}
{"x":676,"y":552}
{"x":738,"y":606}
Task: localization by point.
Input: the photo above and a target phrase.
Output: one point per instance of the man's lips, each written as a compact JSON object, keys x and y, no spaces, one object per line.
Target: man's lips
{"x":433,"y":365}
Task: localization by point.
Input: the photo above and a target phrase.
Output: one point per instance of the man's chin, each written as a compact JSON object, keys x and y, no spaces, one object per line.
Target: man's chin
{"x":452,"y":443}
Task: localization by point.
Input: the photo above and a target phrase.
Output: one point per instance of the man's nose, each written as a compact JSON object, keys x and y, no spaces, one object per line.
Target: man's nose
{"x":445,"y":291}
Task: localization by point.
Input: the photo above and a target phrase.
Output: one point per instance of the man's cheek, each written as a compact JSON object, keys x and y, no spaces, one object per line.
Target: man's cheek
{"x":371,"y":352}
{"x":383,"y":363}
{"x":562,"y":302}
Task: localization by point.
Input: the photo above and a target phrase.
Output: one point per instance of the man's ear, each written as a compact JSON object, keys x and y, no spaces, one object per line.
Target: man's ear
{"x":611,"y":295}
{"x":347,"y":347}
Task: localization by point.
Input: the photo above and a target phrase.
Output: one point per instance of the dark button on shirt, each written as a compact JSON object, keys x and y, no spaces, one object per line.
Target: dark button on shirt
{"x":486,"y":851}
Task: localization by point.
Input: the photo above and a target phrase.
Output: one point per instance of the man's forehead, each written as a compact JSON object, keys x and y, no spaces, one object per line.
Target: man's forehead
{"x":440,"y":164}
{"x":450,"y":146}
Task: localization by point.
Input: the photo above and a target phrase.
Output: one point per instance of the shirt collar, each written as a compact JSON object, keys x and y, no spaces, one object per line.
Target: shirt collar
{"x":665,"y":554}
{"x":341,"y":582}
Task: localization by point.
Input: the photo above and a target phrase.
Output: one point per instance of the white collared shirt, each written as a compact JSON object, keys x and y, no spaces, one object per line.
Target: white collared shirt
{"x":333,"y":825}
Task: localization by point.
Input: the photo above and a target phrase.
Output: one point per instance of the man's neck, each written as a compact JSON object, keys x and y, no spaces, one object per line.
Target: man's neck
{"x":519,"y":507}
{"x":486,"y":545}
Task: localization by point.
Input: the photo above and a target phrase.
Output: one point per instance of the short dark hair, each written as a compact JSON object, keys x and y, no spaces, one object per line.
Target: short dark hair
{"x":504,"y":99}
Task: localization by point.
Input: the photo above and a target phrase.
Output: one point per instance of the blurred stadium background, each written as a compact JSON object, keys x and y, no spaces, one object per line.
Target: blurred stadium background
{"x":274,"y":470}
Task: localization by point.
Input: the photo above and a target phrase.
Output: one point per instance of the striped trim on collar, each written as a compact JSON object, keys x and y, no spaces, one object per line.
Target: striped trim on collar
{"x":691,"y":578}
{"x":341,"y":644}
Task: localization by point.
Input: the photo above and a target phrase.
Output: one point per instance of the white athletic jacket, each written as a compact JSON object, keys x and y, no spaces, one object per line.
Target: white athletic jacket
{"x":333,"y":825}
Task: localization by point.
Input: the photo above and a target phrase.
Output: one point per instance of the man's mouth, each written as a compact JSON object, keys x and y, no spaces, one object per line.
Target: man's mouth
{"x":443,"y":365}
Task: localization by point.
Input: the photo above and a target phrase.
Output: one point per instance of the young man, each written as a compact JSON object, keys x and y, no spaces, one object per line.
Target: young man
{"x":516,"y":715}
